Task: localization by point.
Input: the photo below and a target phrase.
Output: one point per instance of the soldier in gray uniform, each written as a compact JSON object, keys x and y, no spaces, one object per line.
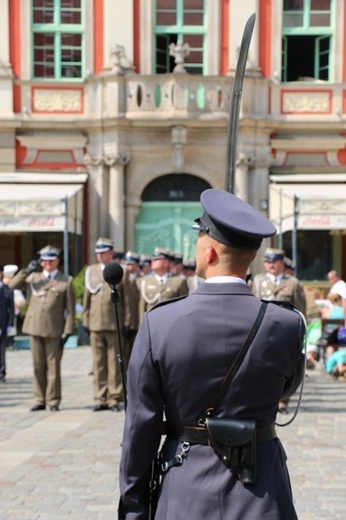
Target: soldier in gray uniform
{"x":160,"y":285}
{"x":49,"y":321}
{"x":100,"y":320}
{"x":181,"y":355}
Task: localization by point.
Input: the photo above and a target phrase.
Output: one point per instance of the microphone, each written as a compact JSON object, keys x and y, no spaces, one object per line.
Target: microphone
{"x":113,"y":274}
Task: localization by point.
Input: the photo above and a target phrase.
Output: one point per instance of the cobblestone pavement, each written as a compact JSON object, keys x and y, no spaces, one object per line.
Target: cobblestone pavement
{"x":64,"y":465}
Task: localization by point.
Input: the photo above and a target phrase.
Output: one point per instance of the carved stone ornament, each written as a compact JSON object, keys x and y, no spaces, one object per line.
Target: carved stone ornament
{"x":179,"y":51}
{"x":92,"y":160}
{"x":305,"y":102}
{"x":121,"y":64}
{"x":109,"y":159}
{"x":57,"y":100}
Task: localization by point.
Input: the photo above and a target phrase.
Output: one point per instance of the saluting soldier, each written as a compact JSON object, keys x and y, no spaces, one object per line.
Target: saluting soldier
{"x":100,"y":320}
{"x":160,"y":285}
{"x":131,"y":301}
{"x":275,"y":284}
{"x":49,"y":322}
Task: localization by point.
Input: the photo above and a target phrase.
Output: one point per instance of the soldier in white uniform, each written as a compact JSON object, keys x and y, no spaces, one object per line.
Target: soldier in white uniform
{"x":100,"y":319}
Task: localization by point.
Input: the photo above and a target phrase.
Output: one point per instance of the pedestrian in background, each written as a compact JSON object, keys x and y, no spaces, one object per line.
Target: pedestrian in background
{"x":6,"y":321}
{"x":182,"y":353}
{"x":19,"y":301}
{"x":49,"y":321}
{"x":338,"y":286}
{"x":99,"y":319}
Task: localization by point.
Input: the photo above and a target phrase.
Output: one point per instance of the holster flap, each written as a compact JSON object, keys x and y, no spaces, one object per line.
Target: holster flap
{"x":230,"y":432}
{"x":234,"y":442}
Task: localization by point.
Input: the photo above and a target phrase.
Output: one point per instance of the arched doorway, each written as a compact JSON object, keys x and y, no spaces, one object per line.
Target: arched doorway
{"x":169,"y":206}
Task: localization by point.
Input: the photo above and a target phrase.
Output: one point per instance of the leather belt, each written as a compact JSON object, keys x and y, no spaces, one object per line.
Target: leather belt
{"x":198,"y":435}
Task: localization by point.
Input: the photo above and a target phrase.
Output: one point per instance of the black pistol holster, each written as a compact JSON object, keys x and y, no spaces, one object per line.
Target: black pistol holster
{"x":234,"y":442}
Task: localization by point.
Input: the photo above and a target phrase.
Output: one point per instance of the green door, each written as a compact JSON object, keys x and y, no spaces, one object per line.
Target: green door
{"x":168,"y":225}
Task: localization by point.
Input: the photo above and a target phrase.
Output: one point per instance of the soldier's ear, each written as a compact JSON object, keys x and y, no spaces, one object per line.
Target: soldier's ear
{"x":210,"y":253}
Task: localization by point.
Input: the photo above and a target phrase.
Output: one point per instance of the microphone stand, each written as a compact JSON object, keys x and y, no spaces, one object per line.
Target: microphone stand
{"x":115,"y":298}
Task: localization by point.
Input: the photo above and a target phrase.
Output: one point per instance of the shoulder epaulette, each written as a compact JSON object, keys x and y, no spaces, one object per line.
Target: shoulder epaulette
{"x":285,"y":305}
{"x":165,"y":302}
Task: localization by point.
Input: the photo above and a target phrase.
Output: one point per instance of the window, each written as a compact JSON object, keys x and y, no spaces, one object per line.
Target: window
{"x":58,"y":39}
{"x":180,"y":22}
{"x":307,"y":31}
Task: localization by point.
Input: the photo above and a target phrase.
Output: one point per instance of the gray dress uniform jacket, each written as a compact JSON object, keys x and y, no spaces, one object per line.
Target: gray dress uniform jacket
{"x":51,"y":306}
{"x":181,"y":354}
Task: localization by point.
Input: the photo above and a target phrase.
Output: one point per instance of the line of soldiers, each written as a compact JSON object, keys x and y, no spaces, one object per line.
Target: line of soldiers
{"x":147,"y":281}
{"x":49,"y":319}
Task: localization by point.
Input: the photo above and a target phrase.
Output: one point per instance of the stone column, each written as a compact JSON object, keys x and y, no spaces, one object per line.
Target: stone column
{"x":96,"y":220}
{"x":116,"y":163}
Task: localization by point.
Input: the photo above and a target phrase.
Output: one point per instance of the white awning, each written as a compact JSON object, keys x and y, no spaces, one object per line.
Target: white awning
{"x":314,"y":206}
{"x":41,"y":202}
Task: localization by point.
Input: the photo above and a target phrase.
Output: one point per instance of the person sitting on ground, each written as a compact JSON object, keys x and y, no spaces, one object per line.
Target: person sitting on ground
{"x":336,"y":364}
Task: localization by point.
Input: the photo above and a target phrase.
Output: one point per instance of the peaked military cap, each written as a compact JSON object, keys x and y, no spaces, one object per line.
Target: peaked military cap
{"x":162,"y":253}
{"x":289,"y":263}
{"x":190,"y":264}
{"x":103,"y":245}
{"x":118,"y":255}
{"x":131,"y":258}
{"x":49,"y":253}
{"x":145,"y":260}
{"x":178,"y":258}
{"x":232,"y":221}
{"x":271,"y":254}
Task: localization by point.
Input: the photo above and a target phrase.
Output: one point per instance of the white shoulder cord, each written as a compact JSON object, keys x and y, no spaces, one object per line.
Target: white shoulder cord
{"x":302,"y":383}
{"x":145,"y":297}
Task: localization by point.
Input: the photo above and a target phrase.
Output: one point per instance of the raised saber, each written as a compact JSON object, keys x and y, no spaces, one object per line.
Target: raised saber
{"x":233,"y":121}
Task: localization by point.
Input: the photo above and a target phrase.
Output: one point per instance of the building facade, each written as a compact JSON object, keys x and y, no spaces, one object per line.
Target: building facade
{"x":114,"y":114}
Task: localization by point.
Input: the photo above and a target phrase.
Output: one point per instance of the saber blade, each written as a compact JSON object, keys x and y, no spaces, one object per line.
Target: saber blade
{"x":233,"y":121}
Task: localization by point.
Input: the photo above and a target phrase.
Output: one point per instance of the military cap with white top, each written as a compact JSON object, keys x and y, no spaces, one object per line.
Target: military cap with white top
{"x":160,"y":253}
{"x":232,"y":221}
{"x":103,"y":245}
{"x":131,"y":258}
{"x":49,"y":253}
{"x":272,"y":255}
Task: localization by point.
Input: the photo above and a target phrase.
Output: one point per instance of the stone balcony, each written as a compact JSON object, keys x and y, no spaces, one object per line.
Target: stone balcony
{"x":178,"y":98}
